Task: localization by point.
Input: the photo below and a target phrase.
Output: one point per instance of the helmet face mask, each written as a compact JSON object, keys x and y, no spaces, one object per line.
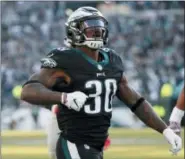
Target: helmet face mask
{"x":94,"y":28}
{"x":89,"y":30}
{"x":94,"y":32}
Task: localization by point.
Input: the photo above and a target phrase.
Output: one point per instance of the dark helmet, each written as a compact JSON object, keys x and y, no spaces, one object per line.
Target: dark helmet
{"x":86,"y":26}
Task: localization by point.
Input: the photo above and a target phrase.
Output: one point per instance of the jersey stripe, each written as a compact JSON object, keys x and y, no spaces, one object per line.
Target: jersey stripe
{"x":65,"y":149}
{"x":73,"y":150}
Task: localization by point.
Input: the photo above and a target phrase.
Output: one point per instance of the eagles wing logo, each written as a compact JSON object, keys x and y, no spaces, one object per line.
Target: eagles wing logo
{"x":48,"y":62}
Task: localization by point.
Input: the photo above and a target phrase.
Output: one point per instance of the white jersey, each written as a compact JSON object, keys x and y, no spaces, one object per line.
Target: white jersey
{"x":23,"y":119}
{"x":52,"y":131}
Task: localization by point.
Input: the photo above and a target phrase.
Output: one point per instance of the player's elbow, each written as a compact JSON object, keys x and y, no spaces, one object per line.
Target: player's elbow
{"x":26,"y":94}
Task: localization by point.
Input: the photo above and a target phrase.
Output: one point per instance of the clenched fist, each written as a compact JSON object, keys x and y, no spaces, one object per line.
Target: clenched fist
{"x":74,"y":100}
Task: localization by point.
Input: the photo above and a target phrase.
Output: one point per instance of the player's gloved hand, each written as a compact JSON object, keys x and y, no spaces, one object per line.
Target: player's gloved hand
{"x":174,"y":140}
{"x":74,"y":100}
{"x":176,"y":127}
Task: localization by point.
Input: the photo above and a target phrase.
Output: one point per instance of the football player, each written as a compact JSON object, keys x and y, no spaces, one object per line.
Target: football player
{"x":177,"y":114}
{"x":52,"y":132}
{"x":82,"y":79}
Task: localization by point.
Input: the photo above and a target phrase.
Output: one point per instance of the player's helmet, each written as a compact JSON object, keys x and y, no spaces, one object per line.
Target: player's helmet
{"x":86,"y":27}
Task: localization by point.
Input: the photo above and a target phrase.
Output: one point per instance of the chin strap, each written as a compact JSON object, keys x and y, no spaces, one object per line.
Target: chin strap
{"x":89,"y":43}
{"x":94,"y":44}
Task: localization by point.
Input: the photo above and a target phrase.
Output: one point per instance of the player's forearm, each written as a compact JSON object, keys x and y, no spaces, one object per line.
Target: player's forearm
{"x":180,"y":102}
{"x":149,"y":117}
{"x":139,"y":106}
{"x":38,"y":94}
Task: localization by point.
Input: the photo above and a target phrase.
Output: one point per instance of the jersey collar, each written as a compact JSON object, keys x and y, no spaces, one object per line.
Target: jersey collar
{"x":104,"y":62}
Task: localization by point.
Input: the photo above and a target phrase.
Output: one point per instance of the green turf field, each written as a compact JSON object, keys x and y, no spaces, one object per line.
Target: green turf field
{"x":126,"y":144}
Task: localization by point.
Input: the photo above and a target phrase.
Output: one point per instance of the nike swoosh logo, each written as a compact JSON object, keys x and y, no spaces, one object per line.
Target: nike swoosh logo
{"x":76,"y":103}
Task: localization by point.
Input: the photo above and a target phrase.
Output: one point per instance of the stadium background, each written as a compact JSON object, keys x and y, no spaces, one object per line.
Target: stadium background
{"x":150,"y":39}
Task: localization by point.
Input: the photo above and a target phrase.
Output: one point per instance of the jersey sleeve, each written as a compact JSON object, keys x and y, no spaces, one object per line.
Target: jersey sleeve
{"x":57,"y":58}
{"x":51,"y":60}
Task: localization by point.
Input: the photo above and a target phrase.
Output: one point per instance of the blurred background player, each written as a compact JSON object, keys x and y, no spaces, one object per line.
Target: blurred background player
{"x":52,"y":132}
{"x":177,"y":113}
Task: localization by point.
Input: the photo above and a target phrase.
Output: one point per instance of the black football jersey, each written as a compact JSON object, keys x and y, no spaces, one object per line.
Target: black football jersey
{"x":98,"y":80}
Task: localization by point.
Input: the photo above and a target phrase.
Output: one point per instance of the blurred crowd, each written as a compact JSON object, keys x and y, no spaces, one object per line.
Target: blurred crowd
{"x":144,"y":5}
{"x":151,"y":43}
{"x":151,"y":46}
{"x":29,"y":31}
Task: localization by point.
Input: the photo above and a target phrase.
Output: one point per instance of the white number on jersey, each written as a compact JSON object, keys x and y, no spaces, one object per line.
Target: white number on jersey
{"x":110,"y":90}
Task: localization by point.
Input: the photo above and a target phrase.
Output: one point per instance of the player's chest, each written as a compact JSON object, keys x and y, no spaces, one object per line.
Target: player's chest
{"x":100,"y":86}
{"x":99,"y":81}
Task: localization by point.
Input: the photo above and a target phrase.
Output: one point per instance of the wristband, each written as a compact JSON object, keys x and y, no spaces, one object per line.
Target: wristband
{"x":63,"y":98}
{"x":176,"y":115}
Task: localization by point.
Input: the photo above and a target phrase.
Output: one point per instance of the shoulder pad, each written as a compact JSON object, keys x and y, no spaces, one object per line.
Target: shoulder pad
{"x":63,"y":49}
{"x":57,"y":58}
{"x":57,"y":51}
{"x":110,"y":51}
{"x":48,"y":62}
{"x":115,"y":58}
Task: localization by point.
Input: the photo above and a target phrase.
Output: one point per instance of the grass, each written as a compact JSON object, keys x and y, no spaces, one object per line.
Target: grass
{"x":135,"y":148}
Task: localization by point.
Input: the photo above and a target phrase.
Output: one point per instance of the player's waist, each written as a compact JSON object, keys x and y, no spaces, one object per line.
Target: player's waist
{"x":96,"y":123}
{"x":97,"y":134}
{"x":96,"y":131}
{"x":95,"y":140}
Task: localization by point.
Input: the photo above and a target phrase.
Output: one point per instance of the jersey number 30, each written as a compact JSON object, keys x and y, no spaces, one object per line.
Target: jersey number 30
{"x":105,"y":90}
